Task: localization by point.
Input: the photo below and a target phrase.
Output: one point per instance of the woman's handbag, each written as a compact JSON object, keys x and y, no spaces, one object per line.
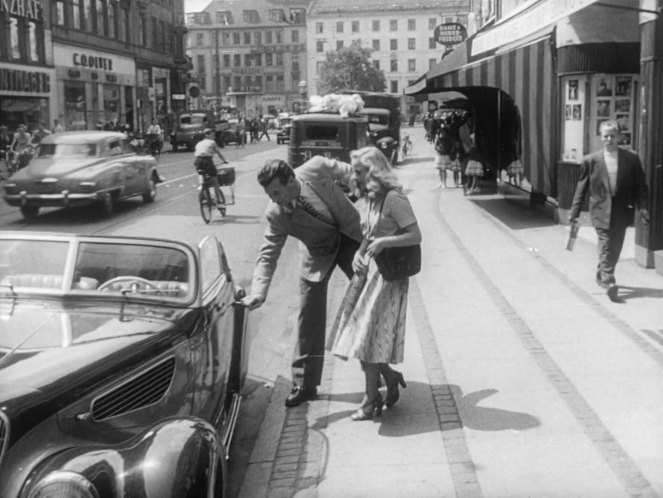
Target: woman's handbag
{"x":396,"y":263}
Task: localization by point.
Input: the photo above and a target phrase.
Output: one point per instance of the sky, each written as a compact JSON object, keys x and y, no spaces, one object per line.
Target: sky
{"x":195,"y":5}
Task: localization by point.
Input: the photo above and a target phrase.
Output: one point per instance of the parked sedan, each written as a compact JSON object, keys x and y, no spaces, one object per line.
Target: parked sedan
{"x":79,"y":168}
{"x":121,"y":364}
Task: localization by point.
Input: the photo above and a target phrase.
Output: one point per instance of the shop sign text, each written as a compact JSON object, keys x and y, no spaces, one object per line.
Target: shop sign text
{"x":449,"y":34}
{"x":30,"y":9}
{"x":24,"y":81}
{"x":93,"y":61}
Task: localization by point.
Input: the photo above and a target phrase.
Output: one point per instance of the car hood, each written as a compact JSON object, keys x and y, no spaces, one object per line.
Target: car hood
{"x":56,"y":167}
{"x":50,"y":355}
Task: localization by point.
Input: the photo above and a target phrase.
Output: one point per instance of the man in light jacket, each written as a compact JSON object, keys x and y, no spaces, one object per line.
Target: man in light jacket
{"x":309,"y":204}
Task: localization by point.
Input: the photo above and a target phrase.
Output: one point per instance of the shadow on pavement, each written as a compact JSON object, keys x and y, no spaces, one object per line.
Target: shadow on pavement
{"x":627,"y":292}
{"x":399,"y":422}
{"x":512,"y":215}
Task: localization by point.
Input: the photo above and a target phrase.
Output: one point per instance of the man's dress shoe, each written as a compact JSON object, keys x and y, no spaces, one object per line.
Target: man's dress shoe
{"x":300,"y":394}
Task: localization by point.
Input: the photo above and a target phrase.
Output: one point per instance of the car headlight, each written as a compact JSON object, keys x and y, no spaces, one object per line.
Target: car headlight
{"x":64,"y":483}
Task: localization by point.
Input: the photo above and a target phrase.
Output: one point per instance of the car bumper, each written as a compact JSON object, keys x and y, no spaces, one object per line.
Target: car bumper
{"x":64,"y":198}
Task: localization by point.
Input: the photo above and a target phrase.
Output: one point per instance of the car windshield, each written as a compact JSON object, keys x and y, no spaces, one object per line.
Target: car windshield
{"x":120,"y":268}
{"x":79,"y":150}
{"x":194,"y":119}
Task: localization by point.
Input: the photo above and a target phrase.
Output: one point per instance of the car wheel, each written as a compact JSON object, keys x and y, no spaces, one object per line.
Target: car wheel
{"x":107,"y":204}
{"x":30,"y":212}
{"x":151,"y":193}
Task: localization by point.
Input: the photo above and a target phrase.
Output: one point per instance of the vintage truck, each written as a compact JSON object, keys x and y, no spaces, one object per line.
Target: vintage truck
{"x":190,"y":125}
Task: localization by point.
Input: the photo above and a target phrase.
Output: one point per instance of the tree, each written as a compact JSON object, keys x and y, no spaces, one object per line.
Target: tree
{"x":350,"y":69}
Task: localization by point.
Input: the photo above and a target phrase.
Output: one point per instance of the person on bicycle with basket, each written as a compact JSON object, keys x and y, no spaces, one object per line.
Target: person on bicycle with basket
{"x":154,"y":142}
{"x":203,"y":154}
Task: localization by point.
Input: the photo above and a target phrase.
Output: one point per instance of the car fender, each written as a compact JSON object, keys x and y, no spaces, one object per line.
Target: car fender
{"x":177,"y":458}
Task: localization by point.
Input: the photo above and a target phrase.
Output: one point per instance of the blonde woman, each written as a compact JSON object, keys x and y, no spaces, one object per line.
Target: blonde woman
{"x":370,"y":326}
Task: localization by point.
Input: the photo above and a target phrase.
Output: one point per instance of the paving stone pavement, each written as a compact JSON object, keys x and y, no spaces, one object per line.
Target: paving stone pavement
{"x":524,"y":380}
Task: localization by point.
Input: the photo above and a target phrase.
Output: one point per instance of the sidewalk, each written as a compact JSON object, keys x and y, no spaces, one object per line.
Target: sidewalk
{"x":523,"y":378}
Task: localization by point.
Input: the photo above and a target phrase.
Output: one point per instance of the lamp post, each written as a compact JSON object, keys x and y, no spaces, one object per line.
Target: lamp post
{"x":303,"y":92}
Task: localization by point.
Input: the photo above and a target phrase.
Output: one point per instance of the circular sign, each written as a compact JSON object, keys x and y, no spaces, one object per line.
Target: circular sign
{"x":451,"y":33}
{"x":432,"y":105}
{"x":194,"y":92}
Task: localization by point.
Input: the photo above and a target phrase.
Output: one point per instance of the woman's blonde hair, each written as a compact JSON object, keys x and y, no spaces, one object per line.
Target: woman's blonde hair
{"x":379,"y":169}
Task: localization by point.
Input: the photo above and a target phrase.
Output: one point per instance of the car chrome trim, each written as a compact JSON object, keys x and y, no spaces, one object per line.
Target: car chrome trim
{"x":141,"y":390}
{"x":232,"y":424}
{"x":47,"y":180}
{"x":4,"y":435}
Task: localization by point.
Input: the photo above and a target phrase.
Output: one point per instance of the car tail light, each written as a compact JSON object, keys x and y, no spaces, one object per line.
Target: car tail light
{"x":64,"y":483}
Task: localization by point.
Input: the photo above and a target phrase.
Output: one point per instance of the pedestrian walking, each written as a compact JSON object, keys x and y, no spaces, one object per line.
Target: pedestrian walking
{"x":614,"y":181}
{"x":370,"y":326}
{"x":307,"y":204}
{"x":263,"y":129}
{"x":444,"y":150}
{"x":39,"y":134}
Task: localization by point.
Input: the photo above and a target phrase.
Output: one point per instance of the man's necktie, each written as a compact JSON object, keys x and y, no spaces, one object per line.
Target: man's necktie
{"x":308,"y":207}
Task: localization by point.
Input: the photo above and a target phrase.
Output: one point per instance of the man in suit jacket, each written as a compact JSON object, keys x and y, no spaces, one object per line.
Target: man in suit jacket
{"x":615,"y":181}
{"x":309,"y":204}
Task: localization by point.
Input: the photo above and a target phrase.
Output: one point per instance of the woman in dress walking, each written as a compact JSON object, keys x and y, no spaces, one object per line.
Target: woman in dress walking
{"x":370,"y":326}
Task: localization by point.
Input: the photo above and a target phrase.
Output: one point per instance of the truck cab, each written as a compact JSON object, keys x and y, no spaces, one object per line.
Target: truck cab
{"x":189,"y":128}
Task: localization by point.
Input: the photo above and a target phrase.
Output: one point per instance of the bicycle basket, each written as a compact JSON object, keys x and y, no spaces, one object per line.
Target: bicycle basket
{"x":226,"y":175}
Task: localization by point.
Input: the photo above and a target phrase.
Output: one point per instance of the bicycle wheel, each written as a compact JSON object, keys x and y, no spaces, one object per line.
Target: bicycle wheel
{"x":222,"y":203}
{"x":206,"y":204}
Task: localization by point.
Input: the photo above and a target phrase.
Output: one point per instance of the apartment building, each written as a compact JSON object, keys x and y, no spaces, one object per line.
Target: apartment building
{"x":400,"y":34}
{"x":249,"y":54}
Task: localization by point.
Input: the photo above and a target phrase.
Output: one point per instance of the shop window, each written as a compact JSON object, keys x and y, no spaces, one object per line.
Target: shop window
{"x":588,"y":101}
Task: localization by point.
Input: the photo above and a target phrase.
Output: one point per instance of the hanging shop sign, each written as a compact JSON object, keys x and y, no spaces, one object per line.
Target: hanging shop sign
{"x":450,"y":34}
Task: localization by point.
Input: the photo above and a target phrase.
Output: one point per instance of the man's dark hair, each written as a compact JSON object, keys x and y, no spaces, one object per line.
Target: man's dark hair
{"x":275,"y":168}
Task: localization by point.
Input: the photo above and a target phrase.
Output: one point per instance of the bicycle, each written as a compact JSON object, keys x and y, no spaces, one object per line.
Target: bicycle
{"x":407,"y":146}
{"x":207,"y":198}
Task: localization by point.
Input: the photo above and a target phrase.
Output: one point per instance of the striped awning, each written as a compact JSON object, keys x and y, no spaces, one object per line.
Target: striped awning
{"x":526,"y":74}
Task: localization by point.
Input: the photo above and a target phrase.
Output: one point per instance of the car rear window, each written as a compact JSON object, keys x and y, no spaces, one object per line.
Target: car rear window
{"x":193,"y":119}
{"x":322,"y":133}
{"x":67,"y":150}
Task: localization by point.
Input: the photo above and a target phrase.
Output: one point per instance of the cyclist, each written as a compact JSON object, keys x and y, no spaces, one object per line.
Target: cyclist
{"x":204,"y":152}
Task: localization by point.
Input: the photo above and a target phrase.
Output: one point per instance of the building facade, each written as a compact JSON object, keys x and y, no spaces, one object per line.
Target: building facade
{"x":249,"y":55}
{"x":400,"y":33}
{"x":543,"y":76}
{"x":117,"y":61}
{"x":27,"y":76}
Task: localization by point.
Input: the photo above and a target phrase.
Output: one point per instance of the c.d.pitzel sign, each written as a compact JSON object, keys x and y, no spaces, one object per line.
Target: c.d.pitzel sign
{"x":24,"y":81}
{"x":31,"y":9}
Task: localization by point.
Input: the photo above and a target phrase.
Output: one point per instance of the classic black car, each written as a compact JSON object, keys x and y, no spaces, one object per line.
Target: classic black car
{"x":121,"y":364}
{"x":79,"y":168}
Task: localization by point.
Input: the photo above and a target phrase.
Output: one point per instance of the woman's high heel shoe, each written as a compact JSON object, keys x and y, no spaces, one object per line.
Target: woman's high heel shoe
{"x":393,"y":394}
{"x":368,"y":411}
